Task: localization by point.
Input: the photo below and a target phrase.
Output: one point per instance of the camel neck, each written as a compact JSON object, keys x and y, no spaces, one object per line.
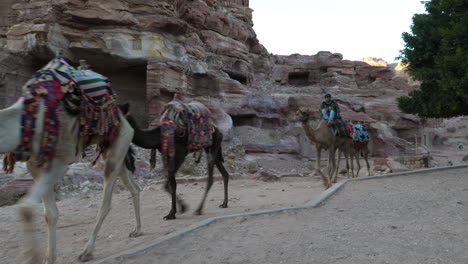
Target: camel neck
{"x":148,"y":139}
{"x":309,"y":132}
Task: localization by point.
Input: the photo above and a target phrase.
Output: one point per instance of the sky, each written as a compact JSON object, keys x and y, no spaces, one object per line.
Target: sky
{"x":354,"y":28}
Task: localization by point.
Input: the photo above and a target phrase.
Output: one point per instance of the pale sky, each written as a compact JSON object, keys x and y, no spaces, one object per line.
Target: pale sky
{"x":354,"y":28}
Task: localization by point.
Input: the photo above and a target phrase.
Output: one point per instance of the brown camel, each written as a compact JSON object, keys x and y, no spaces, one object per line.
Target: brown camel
{"x":361,"y":149}
{"x":151,"y":139}
{"x":68,"y":148}
{"x":323,"y":138}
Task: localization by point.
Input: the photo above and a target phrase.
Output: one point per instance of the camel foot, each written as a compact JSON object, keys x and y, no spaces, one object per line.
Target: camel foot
{"x":169,"y":217}
{"x":33,"y":259}
{"x":223,"y":205}
{"x":183,"y":208}
{"x":135,"y":233}
{"x":85,"y":256}
{"x":198,"y":212}
{"x":48,"y":261}
{"x":326,"y":184}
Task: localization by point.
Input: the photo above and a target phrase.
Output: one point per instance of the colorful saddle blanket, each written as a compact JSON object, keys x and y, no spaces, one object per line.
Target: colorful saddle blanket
{"x":93,"y":84}
{"x":193,"y":118}
{"x":54,"y":83}
{"x":360,"y":133}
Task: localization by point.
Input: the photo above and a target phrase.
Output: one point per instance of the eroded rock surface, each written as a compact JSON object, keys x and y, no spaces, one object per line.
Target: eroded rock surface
{"x":208,"y":51}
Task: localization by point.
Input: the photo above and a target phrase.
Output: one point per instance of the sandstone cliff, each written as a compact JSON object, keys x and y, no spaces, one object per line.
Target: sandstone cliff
{"x":207,"y":50}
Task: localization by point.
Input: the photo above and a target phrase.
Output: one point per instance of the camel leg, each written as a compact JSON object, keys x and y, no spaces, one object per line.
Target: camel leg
{"x":131,"y":185}
{"x":331,"y":165}
{"x":220,"y":166}
{"x":335,"y":175}
{"x":351,"y":156}
{"x":209,"y":181}
{"x":103,"y":211}
{"x":366,"y":156}
{"x":51,"y":216}
{"x":171,"y":188}
{"x":358,"y":164}
{"x":42,"y":188}
{"x":317,"y":166}
{"x":349,"y":163}
{"x":114,"y":158}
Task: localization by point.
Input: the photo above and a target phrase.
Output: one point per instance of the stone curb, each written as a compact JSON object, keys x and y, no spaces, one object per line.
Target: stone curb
{"x":311,"y":204}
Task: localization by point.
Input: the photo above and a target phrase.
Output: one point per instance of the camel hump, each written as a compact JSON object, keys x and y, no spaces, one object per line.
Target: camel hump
{"x":193,"y":118}
{"x":181,"y":113}
{"x":198,"y":108}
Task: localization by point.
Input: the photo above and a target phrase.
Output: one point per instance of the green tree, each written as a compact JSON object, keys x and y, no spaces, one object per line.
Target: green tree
{"x":436,"y":52}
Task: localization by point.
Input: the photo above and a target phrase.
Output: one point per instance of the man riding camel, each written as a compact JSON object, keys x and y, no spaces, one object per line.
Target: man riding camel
{"x":330,"y":109}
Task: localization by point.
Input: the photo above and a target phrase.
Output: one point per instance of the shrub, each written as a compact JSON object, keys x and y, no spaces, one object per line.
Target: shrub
{"x":451,"y":129}
{"x":252,"y":165}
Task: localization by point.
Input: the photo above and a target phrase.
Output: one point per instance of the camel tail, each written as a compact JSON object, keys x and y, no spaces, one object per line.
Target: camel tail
{"x":130,"y":160}
{"x":152,"y":159}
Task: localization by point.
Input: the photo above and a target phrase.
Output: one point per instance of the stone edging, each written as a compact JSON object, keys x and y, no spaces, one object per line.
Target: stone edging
{"x":311,"y":204}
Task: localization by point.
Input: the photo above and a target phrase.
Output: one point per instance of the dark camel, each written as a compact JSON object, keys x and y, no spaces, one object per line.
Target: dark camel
{"x":151,"y":139}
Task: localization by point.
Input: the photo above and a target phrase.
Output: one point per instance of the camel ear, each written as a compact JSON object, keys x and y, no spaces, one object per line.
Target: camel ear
{"x":125,"y":108}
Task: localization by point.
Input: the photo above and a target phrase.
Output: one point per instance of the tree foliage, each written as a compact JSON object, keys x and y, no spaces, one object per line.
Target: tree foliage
{"x":436,"y":52}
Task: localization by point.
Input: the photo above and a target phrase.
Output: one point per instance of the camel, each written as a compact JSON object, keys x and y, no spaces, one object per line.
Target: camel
{"x":151,"y":139}
{"x":361,"y":150}
{"x":69,"y":145}
{"x":344,"y":145}
{"x":323,"y":138}
{"x":357,"y":149}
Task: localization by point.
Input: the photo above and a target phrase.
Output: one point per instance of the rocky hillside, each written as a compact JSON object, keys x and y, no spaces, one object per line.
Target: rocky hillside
{"x":207,"y":50}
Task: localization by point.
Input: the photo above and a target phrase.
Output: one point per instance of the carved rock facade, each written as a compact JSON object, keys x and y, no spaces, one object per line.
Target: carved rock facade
{"x":208,"y":51}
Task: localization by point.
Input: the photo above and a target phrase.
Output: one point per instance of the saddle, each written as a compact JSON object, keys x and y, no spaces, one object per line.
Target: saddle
{"x":340,"y":129}
{"x":359,"y":134}
{"x":82,"y":92}
{"x":193,"y":120}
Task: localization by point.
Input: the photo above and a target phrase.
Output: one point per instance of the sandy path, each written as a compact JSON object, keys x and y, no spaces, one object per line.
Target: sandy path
{"x":77,"y":215}
{"x":407,"y":219}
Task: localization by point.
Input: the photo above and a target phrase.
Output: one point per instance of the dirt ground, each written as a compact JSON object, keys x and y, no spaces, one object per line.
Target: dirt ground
{"x":78,"y":213}
{"x":298,"y":185}
{"x":409,"y":219}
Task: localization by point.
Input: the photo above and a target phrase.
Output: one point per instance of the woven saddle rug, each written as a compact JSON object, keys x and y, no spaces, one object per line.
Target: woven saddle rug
{"x":99,"y":111}
{"x":359,"y":134}
{"x":55,"y":83}
{"x":180,"y":118}
{"x":340,"y":129}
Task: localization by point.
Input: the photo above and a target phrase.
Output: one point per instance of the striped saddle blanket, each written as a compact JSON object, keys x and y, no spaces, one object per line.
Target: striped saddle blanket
{"x":93,"y":84}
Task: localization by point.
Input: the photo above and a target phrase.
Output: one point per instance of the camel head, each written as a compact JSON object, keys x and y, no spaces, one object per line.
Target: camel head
{"x":302,"y":115}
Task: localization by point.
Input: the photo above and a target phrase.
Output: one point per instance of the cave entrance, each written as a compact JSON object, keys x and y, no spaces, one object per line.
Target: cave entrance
{"x":237,"y":76}
{"x":298,"y":78}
